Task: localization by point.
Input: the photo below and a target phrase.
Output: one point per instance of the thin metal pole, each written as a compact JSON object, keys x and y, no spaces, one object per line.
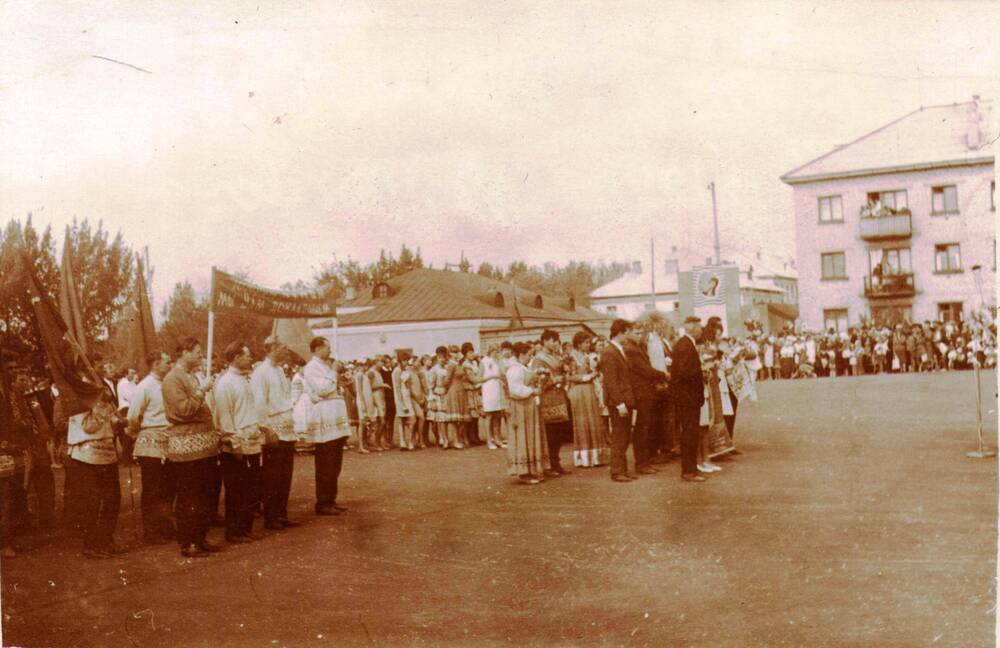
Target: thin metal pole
{"x":652,"y":275}
{"x":211,"y":340}
{"x":715,"y":222}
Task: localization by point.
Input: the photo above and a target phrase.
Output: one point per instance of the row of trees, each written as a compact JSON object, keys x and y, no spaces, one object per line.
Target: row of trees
{"x":576,"y":278}
{"x":105,"y":275}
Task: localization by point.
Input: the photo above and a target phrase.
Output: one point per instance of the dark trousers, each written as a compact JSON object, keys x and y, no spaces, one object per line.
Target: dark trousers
{"x":278,"y":463}
{"x":240,"y":474}
{"x":687,"y":419}
{"x":642,"y":435}
{"x":42,"y":483}
{"x":329,"y":458}
{"x":195,"y":493}
{"x":621,"y":431}
{"x":658,"y":439}
{"x":731,"y":420}
{"x":556,"y":434}
{"x":100,"y":497}
{"x":216,"y":490}
{"x":157,"y":501}
{"x":71,"y":500}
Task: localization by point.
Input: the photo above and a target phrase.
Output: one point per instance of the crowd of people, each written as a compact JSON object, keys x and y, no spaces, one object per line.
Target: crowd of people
{"x":230,"y":439}
{"x":870,"y":349}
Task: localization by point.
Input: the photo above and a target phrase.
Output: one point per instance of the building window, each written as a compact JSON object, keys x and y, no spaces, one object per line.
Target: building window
{"x":612,"y":310}
{"x":381,"y":291}
{"x":831,"y":209}
{"x":950,"y":311}
{"x":894,"y":199}
{"x":498,"y":301}
{"x":835,"y":318}
{"x":947,"y":258}
{"x":894,"y":261}
{"x":944,"y":200}
{"x":834,"y":266}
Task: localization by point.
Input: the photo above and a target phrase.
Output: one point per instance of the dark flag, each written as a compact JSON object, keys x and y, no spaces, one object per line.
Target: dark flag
{"x":69,"y":297}
{"x":78,"y":384}
{"x":142,"y":332}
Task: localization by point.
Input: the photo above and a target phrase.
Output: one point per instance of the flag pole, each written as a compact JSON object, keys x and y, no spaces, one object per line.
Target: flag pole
{"x":211,"y":327}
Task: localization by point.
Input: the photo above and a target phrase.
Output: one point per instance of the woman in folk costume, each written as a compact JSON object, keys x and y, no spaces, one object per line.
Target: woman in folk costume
{"x":439,"y":389}
{"x":328,"y":427}
{"x":418,"y":396}
{"x":367,"y":412}
{"x":589,"y":428}
{"x":473,"y":394}
{"x":405,"y":412}
{"x":433,"y":410}
{"x":714,"y":438}
{"x":556,"y":416}
{"x":740,"y":382}
{"x":456,"y":406}
{"x":527,"y":450}
{"x":493,"y":400}
{"x":383,"y":431}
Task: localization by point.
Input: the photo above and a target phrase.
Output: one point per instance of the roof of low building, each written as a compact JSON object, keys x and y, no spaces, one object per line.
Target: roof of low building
{"x":932,"y":136}
{"x":433,"y":295}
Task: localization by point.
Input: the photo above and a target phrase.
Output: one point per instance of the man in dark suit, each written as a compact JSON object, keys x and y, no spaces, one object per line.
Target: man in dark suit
{"x":618,"y":397}
{"x":688,"y":390}
{"x":644,"y":388}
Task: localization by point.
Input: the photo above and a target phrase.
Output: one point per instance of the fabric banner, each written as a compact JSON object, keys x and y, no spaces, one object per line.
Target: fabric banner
{"x":142,"y":332}
{"x":232,"y":292}
{"x":712,"y":291}
{"x":78,"y":383}
{"x":69,"y":297}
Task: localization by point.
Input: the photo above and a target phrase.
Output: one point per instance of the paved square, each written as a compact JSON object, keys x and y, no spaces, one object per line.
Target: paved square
{"x":853,"y":519}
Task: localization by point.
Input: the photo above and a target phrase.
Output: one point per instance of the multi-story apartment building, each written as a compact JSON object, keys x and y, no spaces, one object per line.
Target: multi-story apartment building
{"x":899,"y":225}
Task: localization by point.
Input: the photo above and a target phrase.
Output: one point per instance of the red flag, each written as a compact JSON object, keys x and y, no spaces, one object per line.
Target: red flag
{"x":69,"y":297}
{"x":142,"y":332}
{"x":74,"y":376}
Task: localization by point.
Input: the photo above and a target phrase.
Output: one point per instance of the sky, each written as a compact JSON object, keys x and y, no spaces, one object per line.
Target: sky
{"x":271,"y":138}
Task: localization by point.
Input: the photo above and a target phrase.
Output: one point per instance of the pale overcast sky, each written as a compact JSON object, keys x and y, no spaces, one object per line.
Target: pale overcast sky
{"x":269,"y":137}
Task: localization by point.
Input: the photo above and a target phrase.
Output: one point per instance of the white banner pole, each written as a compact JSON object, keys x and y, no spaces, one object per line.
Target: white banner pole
{"x":211,"y":341}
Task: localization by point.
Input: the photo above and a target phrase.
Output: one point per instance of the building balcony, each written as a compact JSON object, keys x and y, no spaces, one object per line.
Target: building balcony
{"x":887,"y":286}
{"x":886,"y":224}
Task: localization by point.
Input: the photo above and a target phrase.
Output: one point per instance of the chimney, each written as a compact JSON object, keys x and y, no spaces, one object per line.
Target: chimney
{"x":973,"y":138}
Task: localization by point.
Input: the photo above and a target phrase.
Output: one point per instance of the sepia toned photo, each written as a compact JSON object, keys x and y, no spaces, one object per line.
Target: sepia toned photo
{"x":465,"y":323}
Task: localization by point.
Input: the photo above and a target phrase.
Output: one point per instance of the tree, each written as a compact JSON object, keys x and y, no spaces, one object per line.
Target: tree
{"x":17,"y":327}
{"x":183,"y":317}
{"x":105,"y":270}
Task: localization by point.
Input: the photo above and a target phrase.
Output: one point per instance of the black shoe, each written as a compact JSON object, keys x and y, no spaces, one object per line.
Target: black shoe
{"x":338,"y":507}
{"x":238,"y":539}
{"x":274,"y":526}
{"x":205,"y":545}
{"x":289,"y":523}
{"x":194,"y":551}
{"x":326,"y":510}
{"x":552,"y":474}
{"x":562,"y":471}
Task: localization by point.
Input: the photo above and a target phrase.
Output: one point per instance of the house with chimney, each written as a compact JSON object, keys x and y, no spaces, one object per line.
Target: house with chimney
{"x":899,"y":225}
{"x":425,"y":308}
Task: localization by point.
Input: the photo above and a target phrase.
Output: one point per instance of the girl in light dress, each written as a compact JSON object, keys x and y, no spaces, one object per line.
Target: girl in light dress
{"x":493,"y":398}
{"x":527,"y":450}
{"x":589,"y":436}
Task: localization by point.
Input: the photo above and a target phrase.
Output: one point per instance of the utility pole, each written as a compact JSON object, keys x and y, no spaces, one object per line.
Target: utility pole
{"x":652,"y":275}
{"x":715,"y":222}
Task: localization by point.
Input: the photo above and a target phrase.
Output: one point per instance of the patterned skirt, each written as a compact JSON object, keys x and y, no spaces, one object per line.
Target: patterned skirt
{"x":590,"y":446}
{"x":456,"y":406}
{"x":527,"y":450}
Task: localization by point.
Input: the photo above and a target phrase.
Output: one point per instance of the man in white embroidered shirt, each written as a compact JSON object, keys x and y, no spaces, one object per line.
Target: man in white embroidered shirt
{"x":272,"y":395}
{"x":236,"y":420}
{"x":147,"y":422}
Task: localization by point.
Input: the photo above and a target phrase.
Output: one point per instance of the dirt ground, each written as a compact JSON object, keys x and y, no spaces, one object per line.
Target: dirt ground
{"x":853,"y":518}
